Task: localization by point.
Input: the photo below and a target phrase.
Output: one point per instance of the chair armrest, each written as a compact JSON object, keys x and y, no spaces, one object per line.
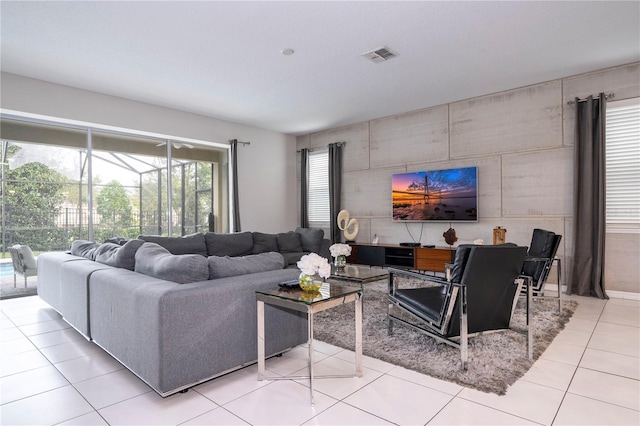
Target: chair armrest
{"x":526,"y":278}
{"x":448,"y":269}
{"x":413,"y":274}
{"x":538,"y":259}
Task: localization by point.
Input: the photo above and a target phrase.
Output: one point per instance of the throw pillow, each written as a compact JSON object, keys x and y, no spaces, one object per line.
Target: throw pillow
{"x":263,"y":243}
{"x":84,"y":248}
{"x":289,"y":242}
{"x":156,"y":261}
{"x":189,"y":244}
{"x":237,"y":244}
{"x":116,"y":240}
{"x":311,"y":239}
{"x":113,"y":254}
{"x":292,"y":257}
{"x":220,"y":267}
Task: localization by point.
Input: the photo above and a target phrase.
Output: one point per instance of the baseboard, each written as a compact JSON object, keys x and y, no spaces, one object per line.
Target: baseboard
{"x":623,"y":295}
{"x":611,"y":293}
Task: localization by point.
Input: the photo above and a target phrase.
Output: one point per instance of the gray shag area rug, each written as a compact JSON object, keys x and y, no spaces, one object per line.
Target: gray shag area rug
{"x":496,"y":360}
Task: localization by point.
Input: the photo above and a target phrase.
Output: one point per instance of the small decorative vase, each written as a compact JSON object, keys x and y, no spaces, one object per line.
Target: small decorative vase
{"x":310,"y":282}
{"x":340,"y":262}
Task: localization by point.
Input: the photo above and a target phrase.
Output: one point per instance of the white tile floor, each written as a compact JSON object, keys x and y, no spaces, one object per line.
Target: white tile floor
{"x":50,"y":375}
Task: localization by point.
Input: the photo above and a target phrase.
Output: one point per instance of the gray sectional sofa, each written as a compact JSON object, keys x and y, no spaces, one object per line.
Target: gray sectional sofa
{"x":179,"y":311}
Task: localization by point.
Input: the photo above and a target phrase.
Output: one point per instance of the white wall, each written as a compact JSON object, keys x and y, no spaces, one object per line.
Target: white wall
{"x":266,"y":166}
{"x":522,"y":142}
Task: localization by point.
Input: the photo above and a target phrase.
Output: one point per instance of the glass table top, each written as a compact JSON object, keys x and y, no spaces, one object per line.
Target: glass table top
{"x":328,"y":291}
{"x":359,"y":273}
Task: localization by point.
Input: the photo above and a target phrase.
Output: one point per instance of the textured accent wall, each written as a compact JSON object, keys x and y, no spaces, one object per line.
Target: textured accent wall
{"x":522,"y":142}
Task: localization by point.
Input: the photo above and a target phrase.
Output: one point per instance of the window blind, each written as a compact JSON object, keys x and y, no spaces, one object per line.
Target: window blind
{"x":318,"y":188}
{"x":623,"y":163}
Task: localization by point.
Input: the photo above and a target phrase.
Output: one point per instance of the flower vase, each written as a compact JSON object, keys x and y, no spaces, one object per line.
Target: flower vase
{"x":340,"y":262}
{"x":310,"y":282}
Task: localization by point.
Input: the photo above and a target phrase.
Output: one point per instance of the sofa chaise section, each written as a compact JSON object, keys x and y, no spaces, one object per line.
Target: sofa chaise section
{"x":74,"y":293}
{"x":50,"y":277}
{"x":174,"y":336}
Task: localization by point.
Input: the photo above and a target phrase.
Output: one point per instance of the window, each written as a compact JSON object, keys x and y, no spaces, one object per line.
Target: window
{"x":63,"y":181}
{"x":319,"y":189}
{"x":623,"y":165}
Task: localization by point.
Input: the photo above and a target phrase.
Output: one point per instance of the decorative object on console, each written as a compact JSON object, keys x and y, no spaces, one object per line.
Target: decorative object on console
{"x":340,"y":252}
{"x":499,"y":235}
{"x":450,"y":236}
{"x":375,"y":239}
{"x":478,"y":242}
{"x":314,"y":270}
{"x":348,"y":225}
{"x":409,"y":244}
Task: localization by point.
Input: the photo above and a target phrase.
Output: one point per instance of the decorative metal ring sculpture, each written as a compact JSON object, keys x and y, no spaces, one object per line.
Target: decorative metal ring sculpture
{"x":348,"y":225}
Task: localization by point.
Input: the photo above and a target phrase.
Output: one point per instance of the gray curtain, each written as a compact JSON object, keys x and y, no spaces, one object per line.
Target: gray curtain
{"x":587,"y":278}
{"x":335,"y":189}
{"x":234,"y":188}
{"x":304,"y":188}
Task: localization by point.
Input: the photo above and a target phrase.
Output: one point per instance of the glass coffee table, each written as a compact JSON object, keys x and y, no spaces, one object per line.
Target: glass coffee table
{"x":360,"y":274}
{"x":329,"y":296}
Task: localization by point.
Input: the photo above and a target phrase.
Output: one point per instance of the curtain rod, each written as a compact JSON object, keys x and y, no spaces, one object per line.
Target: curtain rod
{"x":311,"y":150}
{"x":607,"y":97}
{"x":237,"y":141}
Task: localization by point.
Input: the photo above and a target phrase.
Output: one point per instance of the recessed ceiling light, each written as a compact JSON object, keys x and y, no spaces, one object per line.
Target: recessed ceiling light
{"x":287,"y":51}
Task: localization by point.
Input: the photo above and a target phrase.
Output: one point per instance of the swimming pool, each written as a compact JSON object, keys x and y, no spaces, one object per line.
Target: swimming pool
{"x":6,"y":269}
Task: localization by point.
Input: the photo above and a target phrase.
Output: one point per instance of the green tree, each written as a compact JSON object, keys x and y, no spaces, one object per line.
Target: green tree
{"x":33,"y":195}
{"x":113,"y":205}
{"x":35,"y":192}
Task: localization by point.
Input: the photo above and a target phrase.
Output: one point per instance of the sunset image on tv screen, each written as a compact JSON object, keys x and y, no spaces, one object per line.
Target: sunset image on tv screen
{"x":445,"y":195}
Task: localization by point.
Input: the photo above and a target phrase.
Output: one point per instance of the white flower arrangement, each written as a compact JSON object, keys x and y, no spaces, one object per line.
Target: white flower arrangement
{"x":340,"y":249}
{"x":313,"y":263}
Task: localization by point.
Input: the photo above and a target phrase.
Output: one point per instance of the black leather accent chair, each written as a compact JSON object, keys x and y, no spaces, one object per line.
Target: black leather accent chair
{"x":539,"y":261}
{"x":480,"y":295}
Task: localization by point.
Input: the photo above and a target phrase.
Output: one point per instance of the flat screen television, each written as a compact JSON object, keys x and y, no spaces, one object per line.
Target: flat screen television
{"x":449,"y":195}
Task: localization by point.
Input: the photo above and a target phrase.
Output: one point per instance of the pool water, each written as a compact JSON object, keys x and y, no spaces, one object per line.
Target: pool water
{"x":6,"y":269}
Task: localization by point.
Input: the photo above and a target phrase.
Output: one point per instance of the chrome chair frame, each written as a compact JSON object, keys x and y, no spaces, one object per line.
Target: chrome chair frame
{"x":548,"y":262}
{"x":457,"y":293}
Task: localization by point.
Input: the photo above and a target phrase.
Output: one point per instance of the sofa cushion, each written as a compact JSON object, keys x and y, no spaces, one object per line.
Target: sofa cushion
{"x":116,"y":240}
{"x":237,"y":244}
{"x":311,"y":239}
{"x":113,"y":254}
{"x":84,"y":248}
{"x":263,"y":243}
{"x":156,"y":261}
{"x":289,"y":242}
{"x":292,"y":258}
{"x":189,"y":244}
{"x":220,"y":267}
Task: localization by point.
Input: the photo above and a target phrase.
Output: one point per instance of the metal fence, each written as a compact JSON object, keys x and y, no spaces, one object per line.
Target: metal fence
{"x":57,"y":229}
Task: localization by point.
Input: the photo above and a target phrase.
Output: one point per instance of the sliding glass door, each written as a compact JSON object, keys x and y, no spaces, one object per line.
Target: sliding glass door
{"x":61,"y":183}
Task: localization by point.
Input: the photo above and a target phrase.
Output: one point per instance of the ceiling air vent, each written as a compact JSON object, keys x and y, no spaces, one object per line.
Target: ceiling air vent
{"x":380,"y":55}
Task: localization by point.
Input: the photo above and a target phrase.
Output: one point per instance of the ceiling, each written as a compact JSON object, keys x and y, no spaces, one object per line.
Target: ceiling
{"x":223,"y":59}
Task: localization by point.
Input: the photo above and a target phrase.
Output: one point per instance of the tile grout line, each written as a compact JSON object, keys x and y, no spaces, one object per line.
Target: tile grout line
{"x":578,"y":365}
